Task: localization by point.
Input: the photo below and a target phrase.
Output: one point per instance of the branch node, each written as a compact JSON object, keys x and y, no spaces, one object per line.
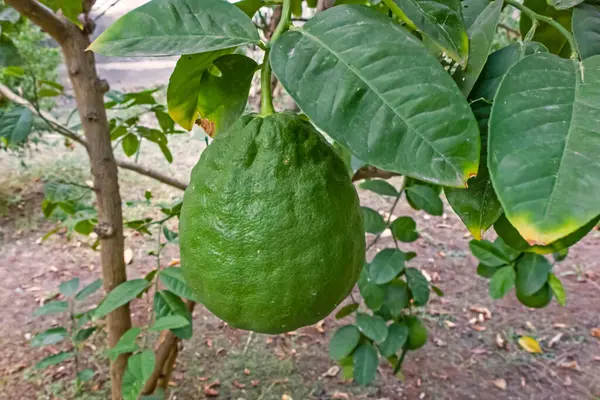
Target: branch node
{"x":104,"y":230}
{"x":102,"y":85}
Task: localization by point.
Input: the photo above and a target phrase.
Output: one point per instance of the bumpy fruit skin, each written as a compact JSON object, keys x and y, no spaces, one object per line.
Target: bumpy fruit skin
{"x":271,"y":232}
{"x":539,"y":299}
{"x":417,"y":333}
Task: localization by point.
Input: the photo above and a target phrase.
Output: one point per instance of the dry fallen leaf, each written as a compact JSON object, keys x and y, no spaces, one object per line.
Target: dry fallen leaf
{"x":221,"y":351}
{"x":597,"y":358}
{"x":340,"y":396}
{"x":319,"y":326}
{"x":560,"y":326}
{"x":210,"y":391}
{"x":286,"y":397}
{"x":449,"y":324}
{"x":523,"y":383}
{"x":479,"y":350}
{"x":331,"y":372}
{"x":238,"y":384}
{"x":128,"y":256}
{"x":472,"y":321}
{"x":203,"y":378}
{"x":478,"y":328}
{"x":530,"y":326}
{"x":569,"y":365}
{"x":530,"y":344}
{"x":426,"y":275}
{"x":555,"y":340}
{"x":439,"y":342}
{"x":209,"y":343}
{"x":500,"y":342}
{"x":254,"y":382}
{"x":174,"y":262}
{"x":500,"y":384}
{"x":422,"y":396}
{"x":568,"y":381}
{"x":596,"y":332}
{"x":482,"y":310}
{"x":246,"y":371}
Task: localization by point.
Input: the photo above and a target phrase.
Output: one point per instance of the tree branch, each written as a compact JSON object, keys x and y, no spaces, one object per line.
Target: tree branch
{"x":54,"y":24}
{"x":68,"y":133}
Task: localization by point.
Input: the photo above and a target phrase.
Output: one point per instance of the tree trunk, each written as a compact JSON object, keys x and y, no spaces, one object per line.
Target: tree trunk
{"x":89,"y":94}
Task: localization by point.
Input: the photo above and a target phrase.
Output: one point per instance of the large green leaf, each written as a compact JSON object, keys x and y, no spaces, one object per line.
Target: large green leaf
{"x":15,"y":125}
{"x":88,"y":290}
{"x":173,"y":280}
{"x":532,"y":273}
{"x":472,"y":9}
{"x":492,"y":254}
{"x":404,"y":229}
{"x":441,"y":21}
{"x":543,"y":142}
{"x":222,"y":99}
{"x":564,"y":4}
{"x":374,"y":222}
{"x":126,"y":344}
{"x":343,"y":342}
{"x":481,"y":36}
{"x":422,"y":197}
{"x":50,"y":336}
{"x":69,"y":8}
{"x":374,"y":295}
{"x":372,"y":326}
{"x":167,"y":303}
{"x":120,"y":295}
{"x":54,"y":359}
{"x":397,"y":297}
{"x":546,"y":34}
{"x":365,"y":363}
{"x":69,"y":288}
{"x":397,"y":336}
{"x":386,"y":265}
{"x":418,"y":285}
{"x":139,"y":369}
{"x":185,"y":85}
{"x":586,"y":29}
{"x":502,"y":281}
{"x":9,"y":54}
{"x":379,"y":186}
{"x":175,"y":27}
{"x":394,"y":107}
{"x":52,"y":307}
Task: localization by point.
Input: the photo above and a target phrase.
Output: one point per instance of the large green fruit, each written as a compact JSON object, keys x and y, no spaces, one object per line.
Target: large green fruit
{"x":271,"y":232}
{"x":417,"y":333}
{"x":539,"y":299}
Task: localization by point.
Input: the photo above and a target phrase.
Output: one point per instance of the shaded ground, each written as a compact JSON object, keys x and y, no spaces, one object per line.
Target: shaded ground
{"x":460,"y":361}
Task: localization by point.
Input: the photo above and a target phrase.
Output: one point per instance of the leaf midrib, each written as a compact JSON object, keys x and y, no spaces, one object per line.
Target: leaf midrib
{"x":380,"y":96}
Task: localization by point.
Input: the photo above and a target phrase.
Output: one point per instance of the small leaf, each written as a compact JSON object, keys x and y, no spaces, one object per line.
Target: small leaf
{"x":50,"y":336}
{"x":173,"y":280}
{"x":170,"y":235}
{"x":126,"y":344}
{"x":386,"y":265}
{"x":373,"y":294}
{"x":372,"y":326}
{"x":373,"y":221}
{"x":546,"y":34}
{"x":130,"y":144}
{"x":84,"y":226}
{"x":9,"y":54}
{"x":52,"y":307}
{"x":16,"y":125}
{"x":85,"y":375}
{"x":502,"y":281}
{"x":487,"y":253}
{"x":120,"y":296}
{"x":418,"y":285}
{"x":397,"y":297}
{"x":343,"y":342}
{"x":529,"y":344}
{"x":425,"y":198}
{"x":170,"y":322}
{"x":586,"y":29}
{"x":168,"y":303}
{"x":69,"y":288}
{"x":54,"y":359}
{"x":397,"y":336}
{"x":365,"y":362}
{"x":69,"y":8}
{"x":558,"y":289}
{"x":485,"y":271}
{"x":437,"y":290}
{"x":88,"y":290}
{"x":404,"y":229}
{"x":139,"y":369}
{"x":174,"y":27}
{"x":83,"y":334}
{"x":532,"y":273}
{"x":379,"y":186}
{"x":346,"y":310}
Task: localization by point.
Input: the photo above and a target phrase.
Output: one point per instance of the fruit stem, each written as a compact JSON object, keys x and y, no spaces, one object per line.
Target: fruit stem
{"x":266,"y":97}
{"x":539,"y":17}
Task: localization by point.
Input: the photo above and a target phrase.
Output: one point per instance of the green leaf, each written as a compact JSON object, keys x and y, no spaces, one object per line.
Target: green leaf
{"x":222,"y":99}
{"x":9,"y":14}
{"x":564,"y":4}
{"x":69,"y":8}
{"x":89,"y":290}
{"x":54,"y":359}
{"x":346,"y":310}
{"x":404,"y":229}
{"x":50,"y":336}
{"x":85,"y":375}
{"x":343,"y":342}
{"x":393,"y":107}
{"x":373,"y":221}
{"x":175,"y":27}
{"x":365,"y":362}
{"x":139,"y":369}
{"x":485,"y":271}
{"x":425,"y":198}
{"x":586,"y":29}
{"x":379,"y":186}
{"x":396,"y":339}
{"x":83,"y":334}
{"x":546,"y":34}
{"x":120,"y":296}
{"x":372,"y":326}
{"x":481,"y":36}
{"x":558,"y":289}
{"x":52,"y":307}
{"x":185,"y":85}
{"x":441,"y":21}
{"x":249,"y":7}
{"x":547,"y":188}
{"x":532,"y":273}
{"x":173,"y":280}
{"x":373,"y":294}
{"x":502,"y":281}
{"x":418,"y":285}
{"x":488,"y":253}
{"x":167,"y":303}
{"x":15,"y":125}
{"x":84,"y":226}
{"x":126,"y":344}
{"x":472,"y":9}
{"x":9,"y":54}
{"x":397,"y":297}
{"x":437,"y":290}
{"x":69,"y":288}
{"x":130,"y":144}
{"x":170,"y":235}
{"x":170,"y":322}
{"x":386,"y":265}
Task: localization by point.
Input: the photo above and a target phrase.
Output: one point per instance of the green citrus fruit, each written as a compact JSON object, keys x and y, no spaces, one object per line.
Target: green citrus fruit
{"x":539,"y":299}
{"x":417,"y":333}
{"x":271,"y":232}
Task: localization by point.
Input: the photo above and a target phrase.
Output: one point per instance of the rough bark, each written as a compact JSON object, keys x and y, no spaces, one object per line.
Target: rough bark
{"x":89,"y":95}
